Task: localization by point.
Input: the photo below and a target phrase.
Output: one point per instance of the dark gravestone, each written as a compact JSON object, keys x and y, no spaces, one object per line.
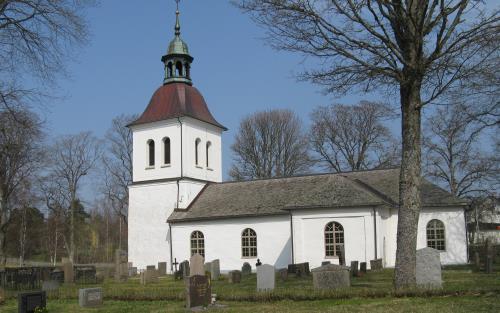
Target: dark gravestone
{"x":302,"y":269}
{"x":362,"y":268}
{"x":325,"y":263}
{"x":151,"y":267}
{"x":198,"y":292}
{"x":234,"y":277}
{"x":283,"y":273}
{"x":292,"y":268}
{"x":376,"y":265}
{"x":57,"y":275}
{"x":162,"y":268}
{"x":184,"y":268}
{"x":489,"y":264}
{"x":90,"y":297}
{"x":246,"y":269}
{"x":28,"y":301}
{"x":354,"y":268}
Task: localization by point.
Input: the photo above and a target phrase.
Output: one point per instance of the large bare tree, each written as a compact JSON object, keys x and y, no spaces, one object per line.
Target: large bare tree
{"x":72,"y":159}
{"x":269,"y":144}
{"x":417,"y":49}
{"x":118,"y":166}
{"x":36,"y":38}
{"x":353,"y":138}
{"x":20,"y":158}
{"x":454,"y":156}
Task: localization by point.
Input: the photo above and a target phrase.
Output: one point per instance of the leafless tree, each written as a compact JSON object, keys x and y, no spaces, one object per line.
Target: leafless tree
{"x":36,"y":38}
{"x":417,"y":49}
{"x":269,"y":144}
{"x":72,"y":159}
{"x":352,"y":138}
{"x":20,"y":158}
{"x":454,"y":157}
{"x":118,"y":166}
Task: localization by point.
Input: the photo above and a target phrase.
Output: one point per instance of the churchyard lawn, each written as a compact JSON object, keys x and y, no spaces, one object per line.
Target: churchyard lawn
{"x":464,"y":290}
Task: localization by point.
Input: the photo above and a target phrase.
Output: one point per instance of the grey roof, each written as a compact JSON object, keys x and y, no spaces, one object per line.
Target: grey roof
{"x":275,"y":196}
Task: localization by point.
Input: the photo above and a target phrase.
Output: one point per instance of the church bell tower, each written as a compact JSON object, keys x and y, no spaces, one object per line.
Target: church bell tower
{"x":176,"y":151}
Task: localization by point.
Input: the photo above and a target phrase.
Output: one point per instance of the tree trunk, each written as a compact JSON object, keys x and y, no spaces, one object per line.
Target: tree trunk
{"x":409,"y":187}
{"x":3,"y":226}
{"x":72,"y":230}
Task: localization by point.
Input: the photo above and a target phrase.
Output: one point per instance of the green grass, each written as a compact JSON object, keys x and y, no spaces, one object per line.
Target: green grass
{"x":464,"y":290}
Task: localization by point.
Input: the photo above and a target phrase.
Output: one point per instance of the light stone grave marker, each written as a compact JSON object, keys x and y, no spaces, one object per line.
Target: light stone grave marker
{"x":428,"y":271}
{"x":234,"y":277}
{"x":331,"y":276}
{"x":196,"y":266}
{"x":266,"y":277}
{"x":90,"y":297}
{"x":215,"y":269}
{"x":162,"y":268}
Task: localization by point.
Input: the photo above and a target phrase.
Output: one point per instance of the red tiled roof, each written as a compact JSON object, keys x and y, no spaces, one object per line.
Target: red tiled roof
{"x":176,"y":100}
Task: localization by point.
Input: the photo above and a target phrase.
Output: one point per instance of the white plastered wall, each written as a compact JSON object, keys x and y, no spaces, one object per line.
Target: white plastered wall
{"x":191,"y":130}
{"x":455,"y":235}
{"x":223,"y":240}
{"x":309,"y":226}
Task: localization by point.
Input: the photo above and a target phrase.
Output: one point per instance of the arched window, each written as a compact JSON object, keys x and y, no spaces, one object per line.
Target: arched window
{"x":197,"y":243}
{"x":209,"y":144}
{"x":249,"y":243}
{"x":435,"y":235}
{"x":188,"y":70}
{"x":178,"y":69}
{"x":169,"y":69}
{"x":166,"y":150}
{"x":151,"y":148}
{"x":196,"y":149}
{"x":334,"y":241}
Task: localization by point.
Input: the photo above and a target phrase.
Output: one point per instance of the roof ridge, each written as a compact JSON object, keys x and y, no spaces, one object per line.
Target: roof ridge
{"x":307,"y":175}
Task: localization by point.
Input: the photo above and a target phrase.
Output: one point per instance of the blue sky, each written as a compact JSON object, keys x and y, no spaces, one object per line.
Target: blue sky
{"x":118,"y":71}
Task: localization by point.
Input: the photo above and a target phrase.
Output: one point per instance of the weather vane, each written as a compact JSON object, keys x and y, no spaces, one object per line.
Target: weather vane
{"x":177,"y":1}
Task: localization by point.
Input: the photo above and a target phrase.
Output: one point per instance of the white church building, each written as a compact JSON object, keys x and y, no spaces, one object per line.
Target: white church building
{"x":179,"y":205}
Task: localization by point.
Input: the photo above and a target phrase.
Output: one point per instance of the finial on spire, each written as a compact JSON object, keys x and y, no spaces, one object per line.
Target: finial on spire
{"x":177,"y":23}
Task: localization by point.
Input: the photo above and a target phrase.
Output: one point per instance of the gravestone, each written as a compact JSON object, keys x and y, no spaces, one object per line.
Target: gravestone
{"x":376,"y":265}
{"x":57,"y":275}
{"x":132,"y":271}
{"x":265,"y":277}
{"x":362,"y":268}
{"x":69,"y":274}
{"x":198,"y":291}
{"x":477,"y":260}
{"x":150,"y":267}
{"x":331,"y":276}
{"x":27,"y":302}
{"x":90,"y":297}
{"x":2,"y":296}
{"x":162,"y":268}
{"x":215,"y":269}
{"x":283,"y":273}
{"x":428,"y":270}
{"x":325,"y":263}
{"x":121,"y":265}
{"x":196,"y":265}
{"x":292,"y":268}
{"x":184,"y":269}
{"x":234,"y":277}
{"x":354,"y":268}
{"x":85,"y":274}
{"x":302,"y":269}
{"x":50,"y":285}
{"x":489,"y":264}
{"x":149,"y":277}
{"x":258,"y":263}
{"x":207,"y":267}
{"x":246,"y":269}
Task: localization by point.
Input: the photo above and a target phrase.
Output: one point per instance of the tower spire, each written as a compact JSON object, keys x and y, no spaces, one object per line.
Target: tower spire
{"x":177,"y":23}
{"x":177,"y":61}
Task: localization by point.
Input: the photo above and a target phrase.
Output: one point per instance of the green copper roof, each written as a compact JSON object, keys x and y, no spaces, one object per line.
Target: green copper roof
{"x":177,"y":45}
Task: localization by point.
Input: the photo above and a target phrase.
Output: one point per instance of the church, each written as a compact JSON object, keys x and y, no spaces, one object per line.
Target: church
{"x":179,"y":206}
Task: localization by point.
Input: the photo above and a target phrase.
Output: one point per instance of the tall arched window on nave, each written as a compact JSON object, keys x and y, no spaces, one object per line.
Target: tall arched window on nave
{"x":334,"y":241}
{"x":197,"y":243}
{"x":151,"y":152}
{"x":249,"y":243}
{"x":436,"y":235}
